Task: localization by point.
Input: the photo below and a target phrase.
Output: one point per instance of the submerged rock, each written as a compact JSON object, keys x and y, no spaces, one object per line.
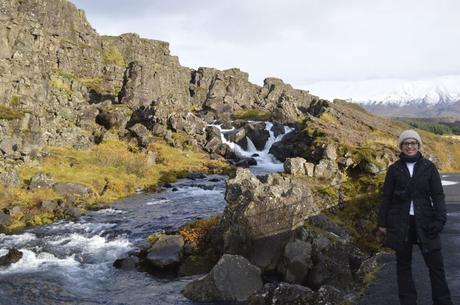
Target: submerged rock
{"x":233,"y":278}
{"x":245,"y":163}
{"x":166,"y":252}
{"x":13,"y":256}
{"x":128,"y":263}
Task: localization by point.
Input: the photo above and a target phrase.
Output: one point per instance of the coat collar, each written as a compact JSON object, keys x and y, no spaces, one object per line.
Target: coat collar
{"x":419,"y":167}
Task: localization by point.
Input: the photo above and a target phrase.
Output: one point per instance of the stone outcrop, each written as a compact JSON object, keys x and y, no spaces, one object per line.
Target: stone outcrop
{"x":299,"y":166}
{"x":41,"y":180}
{"x":72,"y":190}
{"x":263,"y":212}
{"x":233,"y":278}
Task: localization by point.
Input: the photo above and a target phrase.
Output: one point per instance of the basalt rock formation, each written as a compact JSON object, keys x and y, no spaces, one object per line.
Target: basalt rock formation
{"x":63,"y":84}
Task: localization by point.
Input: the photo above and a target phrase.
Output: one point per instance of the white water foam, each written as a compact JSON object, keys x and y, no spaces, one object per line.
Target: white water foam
{"x":9,"y":241}
{"x":265,"y":160}
{"x":88,"y":227}
{"x":110,"y":211}
{"x":96,"y":246}
{"x":3,"y":252}
{"x":32,"y":261}
{"x":158,"y":202}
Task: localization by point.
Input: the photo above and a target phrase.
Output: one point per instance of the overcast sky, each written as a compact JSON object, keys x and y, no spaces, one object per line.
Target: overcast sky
{"x":300,"y":41}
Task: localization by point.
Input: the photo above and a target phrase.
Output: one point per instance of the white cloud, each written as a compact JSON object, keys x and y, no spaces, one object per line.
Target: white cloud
{"x":299,"y":41}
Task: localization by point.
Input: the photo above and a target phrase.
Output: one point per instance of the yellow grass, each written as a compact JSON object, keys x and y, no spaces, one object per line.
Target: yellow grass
{"x":119,"y":166}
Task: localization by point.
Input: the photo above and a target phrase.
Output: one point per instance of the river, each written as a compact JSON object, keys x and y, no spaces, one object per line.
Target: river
{"x":70,"y":262}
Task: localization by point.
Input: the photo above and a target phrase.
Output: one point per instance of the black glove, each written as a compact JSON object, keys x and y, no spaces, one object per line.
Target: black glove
{"x":433,"y":228}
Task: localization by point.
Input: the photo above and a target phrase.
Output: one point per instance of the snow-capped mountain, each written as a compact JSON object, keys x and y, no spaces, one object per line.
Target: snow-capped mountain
{"x":395,"y":97}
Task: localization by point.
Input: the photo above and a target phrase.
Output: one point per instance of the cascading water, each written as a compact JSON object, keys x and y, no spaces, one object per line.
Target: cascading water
{"x":266,"y":162}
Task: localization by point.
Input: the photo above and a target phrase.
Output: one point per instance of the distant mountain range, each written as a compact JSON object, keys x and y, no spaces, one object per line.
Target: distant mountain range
{"x":437,"y":97}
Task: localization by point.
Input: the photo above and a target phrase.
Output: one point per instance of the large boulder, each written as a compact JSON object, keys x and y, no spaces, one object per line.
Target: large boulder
{"x":296,"y":261}
{"x":295,"y":166}
{"x":258,"y":135}
{"x":41,"y":180}
{"x":292,"y":145}
{"x":238,"y":136}
{"x":326,"y":168}
{"x":331,"y":262}
{"x":166,"y":252}
{"x":72,"y":190}
{"x":233,"y":278}
{"x":261,"y":214}
{"x":189,"y":123}
{"x":142,"y":134}
{"x":10,"y":178}
{"x":113,"y":118}
{"x":5,"y":220}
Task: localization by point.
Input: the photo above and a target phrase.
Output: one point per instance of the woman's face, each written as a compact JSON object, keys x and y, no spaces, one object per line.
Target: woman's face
{"x":409,"y":147}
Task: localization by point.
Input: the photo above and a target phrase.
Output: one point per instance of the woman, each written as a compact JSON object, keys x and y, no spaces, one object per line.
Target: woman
{"x":413,"y":211}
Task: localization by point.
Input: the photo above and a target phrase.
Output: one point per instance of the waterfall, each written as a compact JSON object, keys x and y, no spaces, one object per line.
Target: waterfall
{"x":266,"y":162}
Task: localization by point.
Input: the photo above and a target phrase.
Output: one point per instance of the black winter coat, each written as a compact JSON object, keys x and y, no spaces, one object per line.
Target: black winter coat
{"x":425,"y":189}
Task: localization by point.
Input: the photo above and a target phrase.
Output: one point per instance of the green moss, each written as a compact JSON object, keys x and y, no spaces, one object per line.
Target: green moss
{"x":94,"y":83}
{"x":326,"y":189}
{"x":42,"y":219}
{"x":359,"y":211}
{"x":8,"y":113}
{"x":15,"y":101}
{"x":252,"y":114}
{"x":112,"y":56}
{"x":153,"y":238}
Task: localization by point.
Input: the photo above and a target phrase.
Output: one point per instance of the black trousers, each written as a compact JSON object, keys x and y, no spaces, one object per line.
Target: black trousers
{"x":433,"y":260}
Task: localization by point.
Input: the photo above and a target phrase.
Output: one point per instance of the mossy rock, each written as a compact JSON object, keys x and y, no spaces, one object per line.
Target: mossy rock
{"x":196,"y":264}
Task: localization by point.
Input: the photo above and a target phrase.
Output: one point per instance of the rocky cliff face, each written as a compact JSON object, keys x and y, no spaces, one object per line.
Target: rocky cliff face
{"x":63,"y":84}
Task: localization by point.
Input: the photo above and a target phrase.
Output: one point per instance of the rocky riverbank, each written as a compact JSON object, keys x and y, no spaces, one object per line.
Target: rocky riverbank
{"x":86,"y":119}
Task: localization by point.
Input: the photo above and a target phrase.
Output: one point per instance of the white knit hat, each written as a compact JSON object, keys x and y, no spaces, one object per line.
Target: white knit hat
{"x":409,"y":134}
